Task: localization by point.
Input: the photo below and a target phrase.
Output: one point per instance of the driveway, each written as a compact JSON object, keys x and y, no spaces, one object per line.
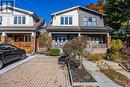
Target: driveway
{"x":41,"y":71}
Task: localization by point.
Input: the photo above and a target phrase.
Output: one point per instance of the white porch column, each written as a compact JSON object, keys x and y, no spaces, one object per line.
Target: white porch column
{"x":79,"y":34}
{"x":3,"y":37}
{"x":50,"y":34}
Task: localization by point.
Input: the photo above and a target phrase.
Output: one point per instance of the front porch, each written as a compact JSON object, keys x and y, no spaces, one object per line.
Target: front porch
{"x":22,"y":40}
{"x":97,"y":42}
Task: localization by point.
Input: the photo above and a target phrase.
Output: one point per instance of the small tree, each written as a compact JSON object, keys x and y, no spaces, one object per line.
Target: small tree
{"x":73,"y":50}
{"x":49,"y":43}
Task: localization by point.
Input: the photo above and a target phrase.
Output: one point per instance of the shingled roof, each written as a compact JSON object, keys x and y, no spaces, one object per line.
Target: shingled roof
{"x":78,"y":28}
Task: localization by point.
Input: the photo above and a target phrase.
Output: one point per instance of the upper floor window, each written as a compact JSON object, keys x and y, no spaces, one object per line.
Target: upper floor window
{"x":6,"y":3}
{"x":19,"y":20}
{"x":0,"y":20}
{"x":62,"y":20}
{"x":66,"y":21}
{"x":90,"y":21}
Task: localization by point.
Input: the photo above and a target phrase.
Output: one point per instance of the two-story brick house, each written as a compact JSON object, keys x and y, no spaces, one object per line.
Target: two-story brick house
{"x":17,"y":27}
{"x":76,"y":21}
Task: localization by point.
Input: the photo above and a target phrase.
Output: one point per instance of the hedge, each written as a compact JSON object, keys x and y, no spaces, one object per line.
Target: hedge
{"x":55,"y":52}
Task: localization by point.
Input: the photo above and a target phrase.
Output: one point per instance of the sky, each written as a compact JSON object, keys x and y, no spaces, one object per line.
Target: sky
{"x":44,"y":8}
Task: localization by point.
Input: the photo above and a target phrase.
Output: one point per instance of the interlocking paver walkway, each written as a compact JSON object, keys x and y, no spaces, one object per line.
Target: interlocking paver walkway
{"x":41,"y":71}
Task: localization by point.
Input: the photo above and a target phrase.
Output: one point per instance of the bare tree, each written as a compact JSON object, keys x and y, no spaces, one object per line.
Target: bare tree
{"x":73,"y":50}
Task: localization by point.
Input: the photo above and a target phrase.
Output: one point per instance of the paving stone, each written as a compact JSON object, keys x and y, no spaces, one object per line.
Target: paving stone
{"x":41,"y":71}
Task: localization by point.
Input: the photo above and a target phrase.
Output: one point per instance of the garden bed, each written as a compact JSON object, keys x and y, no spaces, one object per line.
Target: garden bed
{"x":80,"y":77}
{"x":117,"y":77}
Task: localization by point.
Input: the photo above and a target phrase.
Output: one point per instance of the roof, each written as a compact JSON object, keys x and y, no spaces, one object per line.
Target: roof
{"x":78,"y":28}
{"x":16,"y":28}
{"x":21,"y":10}
{"x":39,"y":24}
{"x":78,"y":7}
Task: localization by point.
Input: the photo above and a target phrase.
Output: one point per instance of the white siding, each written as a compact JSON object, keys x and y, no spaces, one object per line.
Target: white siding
{"x":8,"y":19}
{"x":74,"y":14}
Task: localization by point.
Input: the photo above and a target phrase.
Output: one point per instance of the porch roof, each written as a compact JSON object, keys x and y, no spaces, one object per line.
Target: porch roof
{"x":78,"y":29}
{"x":16,"y":28}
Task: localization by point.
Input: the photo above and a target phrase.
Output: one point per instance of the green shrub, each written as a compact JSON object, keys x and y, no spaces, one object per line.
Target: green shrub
{"x":114,"y":52}
{"x":96,"y":57}
{"x":116,"y":57}
{"x":55,"y":52}
{"x":117,"y":44}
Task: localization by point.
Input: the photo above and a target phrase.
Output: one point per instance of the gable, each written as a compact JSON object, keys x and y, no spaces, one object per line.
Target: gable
{"x":78,"y":8}
{"x":19,"y":11}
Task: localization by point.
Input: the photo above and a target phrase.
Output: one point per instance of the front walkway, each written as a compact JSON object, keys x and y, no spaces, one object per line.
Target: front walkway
{"x":41,"y":71}
{"x":102,"y":79}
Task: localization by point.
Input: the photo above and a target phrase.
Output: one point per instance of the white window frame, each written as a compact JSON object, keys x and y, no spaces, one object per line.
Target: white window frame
{"x":19,"y":20}
{"x":89,"y":23}
{"x":68,"y":20}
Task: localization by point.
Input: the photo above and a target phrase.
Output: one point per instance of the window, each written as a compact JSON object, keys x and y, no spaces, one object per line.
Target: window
{"x":7,"y":47}
{"x":15,"y":20}
{"x":70,"y":20}
{"x":7,"y":3}
{"x":27,"y":39}
{"x":66,"y":21}
{"x":85,"y":21}
{"x":55,"y":37}
{"x":0,"y":20}
{"x":17,"y":38}
{"x":90,"y":21}
{"x":62,"y":20}
{"x":19,"y":20}
{"x":94,"y":21}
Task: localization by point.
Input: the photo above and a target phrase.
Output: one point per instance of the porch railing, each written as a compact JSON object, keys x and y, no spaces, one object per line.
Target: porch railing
{"x":92,"y":45}
{"x":22,"y":44}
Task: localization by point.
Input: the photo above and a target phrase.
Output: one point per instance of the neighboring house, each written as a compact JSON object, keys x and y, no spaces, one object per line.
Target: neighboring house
{"x":77,"y":21}
{"x":18,"y":27}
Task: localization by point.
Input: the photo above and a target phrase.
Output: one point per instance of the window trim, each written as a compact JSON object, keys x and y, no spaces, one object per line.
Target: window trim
{"x":67,"y":20}
{"x":20,"y":20}
{"x":87,"y":22}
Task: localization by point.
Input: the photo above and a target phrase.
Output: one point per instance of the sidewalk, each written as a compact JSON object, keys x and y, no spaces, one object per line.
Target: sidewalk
{"x":102,"y":79}
{"x":118,"y":68}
